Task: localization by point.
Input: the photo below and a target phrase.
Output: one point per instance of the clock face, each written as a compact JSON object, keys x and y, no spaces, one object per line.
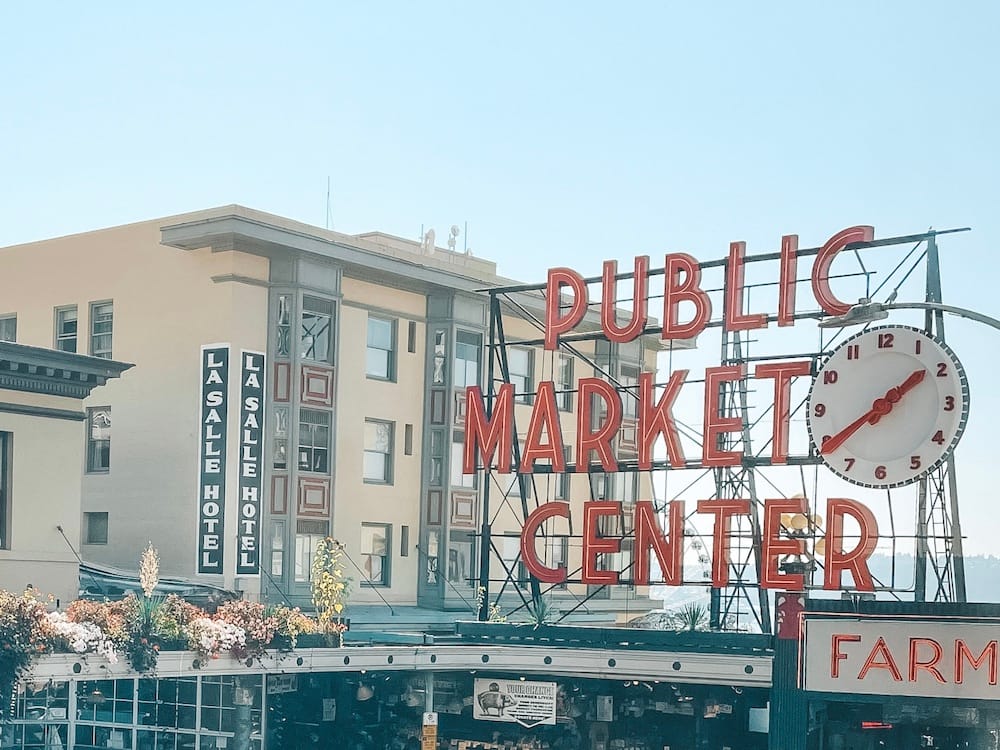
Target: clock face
{"x":888,"y":406}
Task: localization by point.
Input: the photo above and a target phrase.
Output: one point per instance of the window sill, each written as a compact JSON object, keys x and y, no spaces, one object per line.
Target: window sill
{"x":379,"y":378}
{"x":97,"y":472}
{"x":378,"y":482}
{"x":369,"y":585}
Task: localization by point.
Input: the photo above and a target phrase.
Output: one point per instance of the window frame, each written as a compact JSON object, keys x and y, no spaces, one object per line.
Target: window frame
{"x":59,"y":337}
{"x":6,"y":487}
{"x":628,"y":377}
{"x":526,"y":396}
{"x":390,"y":353}
{"x":88,"y":516}
{"x":564,"y":401}
{"x":388,"y":454}
{"x":386,"y":579}
{"x":478,"y":343}
{"x":94,"y":335}
{"x":312,"y":447}
{"x":5,"y":319}
{"x":316,"y":312}
{"x":92,"y":441}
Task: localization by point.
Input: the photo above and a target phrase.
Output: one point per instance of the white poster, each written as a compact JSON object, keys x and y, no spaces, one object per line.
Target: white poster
{"x":515,"y":701}
{"x":917,"y":657}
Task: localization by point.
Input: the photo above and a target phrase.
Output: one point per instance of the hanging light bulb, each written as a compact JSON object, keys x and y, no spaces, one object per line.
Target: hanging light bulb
{"x":364,"y":692}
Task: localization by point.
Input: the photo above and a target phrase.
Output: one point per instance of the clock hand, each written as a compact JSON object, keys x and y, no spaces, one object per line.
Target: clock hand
{"x":880,"y":407}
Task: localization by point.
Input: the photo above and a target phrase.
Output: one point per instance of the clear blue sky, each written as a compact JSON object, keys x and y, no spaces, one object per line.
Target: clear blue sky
{"x":563,"y":132}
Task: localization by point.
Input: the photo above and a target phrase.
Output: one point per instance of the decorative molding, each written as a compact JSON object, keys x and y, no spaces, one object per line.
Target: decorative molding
{"x":384,"y":311}
{"x":464,"y":509}
{"x":42,"y":411}
{"x":434,"y":502}
{"x":316,"y":386}
{"x":314,"y":497}
{"x":459,"y":398}
{"x":279,"y":494}
{"x":238,"y":279}
{"x":282,"y":382}
{"x":437,"y":406}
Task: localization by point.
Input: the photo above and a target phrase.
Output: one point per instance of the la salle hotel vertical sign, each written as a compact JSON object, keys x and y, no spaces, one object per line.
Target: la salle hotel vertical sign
{"x":251,"y":462}
{"x":214,"y":413}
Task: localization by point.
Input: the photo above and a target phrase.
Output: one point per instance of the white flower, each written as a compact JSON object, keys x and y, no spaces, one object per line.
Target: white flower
{"x":82,"y":636}
{"x":212,"y":637}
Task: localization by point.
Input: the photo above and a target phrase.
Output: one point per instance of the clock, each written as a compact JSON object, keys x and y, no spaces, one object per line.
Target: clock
{"x":888,"y":406}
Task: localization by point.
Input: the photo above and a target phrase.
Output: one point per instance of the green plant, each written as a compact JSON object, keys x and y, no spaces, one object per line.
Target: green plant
{"x":493,"y":613}
{"x":24,"y":632}
{"x":329,"y":588}
{"x":291,"y":623}
{"x":542,"y":612}
{"x":689,"y":617}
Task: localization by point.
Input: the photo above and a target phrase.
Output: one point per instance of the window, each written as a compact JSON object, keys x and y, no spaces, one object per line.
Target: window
{"x":513,"y":565}
{"x":458,"y":479}
{"x":316,"y":341}
{"x":559,"y":555}
{"x":101,"y":324}
{"x":314,"y":441}
{"x":461,"y":558}
{"x":6,"y":445}
{"x":8,"y":328}
{"x":280,"y":450}
{"x":467,"y":352}
{"x":380,"y":358}
{"x":99,"y":439}
{"x":629,"y":380}
{"x":411,"y":337}
{"x":603,"y":358}
{"x":562,"y":480}
{"x":95,"y":528}
{"x":66,"y":329}
{"x":283,"y":326}
{"x":277,"y":547}
{"x":378,"y":452}
{"x":565,"y":384}
{"x":308,"y":534}
{"x":376,"y":544}
{"x":437,"y":458}
{"x":519,"y":364}
{"x":408,"y":440}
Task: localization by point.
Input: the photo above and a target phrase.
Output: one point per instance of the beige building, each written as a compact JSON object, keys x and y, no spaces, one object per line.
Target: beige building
{"x":42,"y":443}
{"x":293,"y":383}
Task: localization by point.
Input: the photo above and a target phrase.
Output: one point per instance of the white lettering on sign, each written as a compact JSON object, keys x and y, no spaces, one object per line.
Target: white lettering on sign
{"x":920,"y":657}
{"x":213,"y":410}
{"x":251,"y":461}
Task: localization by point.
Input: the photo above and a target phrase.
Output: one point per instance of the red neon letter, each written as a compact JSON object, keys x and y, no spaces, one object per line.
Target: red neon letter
{"x":676,"y":291}
{"x":723,"y":510}
{"x":782,"y":372}
{"x":594,"y":544}
{"x":733,"y":306}
{"x":640,"y":301}
{"x":658,"y":419}
{"x":544,"y":416}
{"x":821,"y":267}
{"x":836,"y":656}
{"x":489,"y":433}
{"x":554,"y":322}
{"x":787,"y":279}
{"x":887,"y":662}
{"x":926,"y":666}
{"x":836,"y":561}
{"x":532,"y":523}
{"x":773,"y":546}
{"x":715,"y":424}
{"x":668,"y":548}
{"x":589,"y":439}
{"x":962,"y":653}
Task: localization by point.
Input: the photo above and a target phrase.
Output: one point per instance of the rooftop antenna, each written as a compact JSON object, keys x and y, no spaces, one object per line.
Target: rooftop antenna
{"x":329,"y":208}
{"x":465,"y":238}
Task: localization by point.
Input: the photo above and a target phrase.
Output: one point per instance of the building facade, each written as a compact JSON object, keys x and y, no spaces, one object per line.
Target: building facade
{"x":358,"y":350}
{"x":46,"y":438}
